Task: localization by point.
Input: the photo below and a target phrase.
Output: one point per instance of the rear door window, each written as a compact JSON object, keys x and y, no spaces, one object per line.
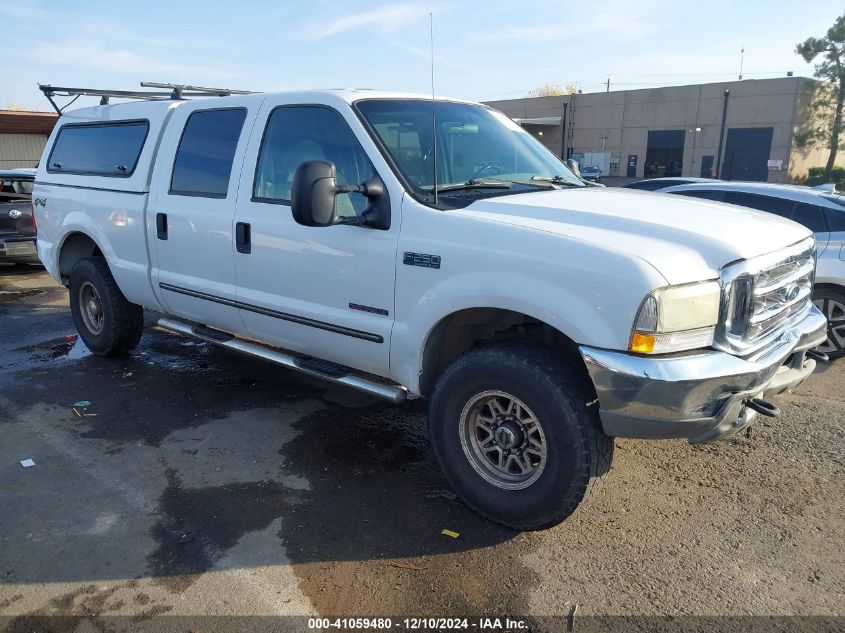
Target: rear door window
{"x":707,"y":194}
{"x":654,"y":185}
{"x":14,"y":189}
{"x":811,"y":216}
{"x":203,"y":164}
{"x":769,"y":204}
{"x":835,"y":219}
{"x":98,"y":149}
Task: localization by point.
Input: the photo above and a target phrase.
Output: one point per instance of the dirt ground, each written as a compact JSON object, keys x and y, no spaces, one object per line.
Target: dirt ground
{"x":202,"y":482}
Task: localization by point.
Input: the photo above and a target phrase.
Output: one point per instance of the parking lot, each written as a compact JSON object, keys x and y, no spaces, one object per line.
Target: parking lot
{"x":198,"y":481}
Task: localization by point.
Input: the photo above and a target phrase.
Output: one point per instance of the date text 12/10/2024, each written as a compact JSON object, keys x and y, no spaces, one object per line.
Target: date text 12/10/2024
{"x":419,"y":624}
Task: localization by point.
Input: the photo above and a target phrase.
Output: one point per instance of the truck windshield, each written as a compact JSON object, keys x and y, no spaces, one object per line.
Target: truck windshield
{"x":475,"y":146}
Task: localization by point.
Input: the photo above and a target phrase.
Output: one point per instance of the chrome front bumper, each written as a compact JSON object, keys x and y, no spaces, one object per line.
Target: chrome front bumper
{"x":699,"y":396}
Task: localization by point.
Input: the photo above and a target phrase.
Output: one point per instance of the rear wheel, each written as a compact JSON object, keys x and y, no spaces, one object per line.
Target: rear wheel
{"x":515,"y":436}
{"x":832,"y":304}
{"x":107,"y":322}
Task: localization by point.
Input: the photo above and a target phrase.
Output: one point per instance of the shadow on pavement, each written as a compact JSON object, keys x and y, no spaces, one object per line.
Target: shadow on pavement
{"x":154,"y":477}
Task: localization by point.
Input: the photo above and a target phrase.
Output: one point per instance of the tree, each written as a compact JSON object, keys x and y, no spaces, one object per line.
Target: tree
{"x":552,"y":90}
{"x":830,"y":70}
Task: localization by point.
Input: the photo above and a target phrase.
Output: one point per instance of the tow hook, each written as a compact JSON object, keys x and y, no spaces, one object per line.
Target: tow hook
{"x":763,"y":407}
{"x":817,"y":355}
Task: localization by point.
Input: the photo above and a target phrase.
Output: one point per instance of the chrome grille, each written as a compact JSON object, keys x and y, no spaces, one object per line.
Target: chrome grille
{"x":762,"y":297}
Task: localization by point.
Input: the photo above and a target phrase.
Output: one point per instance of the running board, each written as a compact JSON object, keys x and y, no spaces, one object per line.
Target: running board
{"x":313,"y":367}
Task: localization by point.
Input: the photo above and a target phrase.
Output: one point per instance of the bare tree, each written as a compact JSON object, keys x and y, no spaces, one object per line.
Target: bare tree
{"x":830,"y":70}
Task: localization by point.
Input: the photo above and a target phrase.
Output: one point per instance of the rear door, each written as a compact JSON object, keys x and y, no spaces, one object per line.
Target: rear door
{"x":192,"y":209}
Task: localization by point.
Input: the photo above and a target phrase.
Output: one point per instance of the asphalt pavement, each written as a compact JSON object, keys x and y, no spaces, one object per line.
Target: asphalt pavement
{"x":185,"y":480}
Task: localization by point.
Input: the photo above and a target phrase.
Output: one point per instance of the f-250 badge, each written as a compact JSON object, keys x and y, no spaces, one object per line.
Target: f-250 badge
{"x":421,"y":259}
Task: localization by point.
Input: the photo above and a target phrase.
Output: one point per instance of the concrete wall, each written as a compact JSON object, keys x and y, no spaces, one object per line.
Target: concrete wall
{"x":620,"y":121}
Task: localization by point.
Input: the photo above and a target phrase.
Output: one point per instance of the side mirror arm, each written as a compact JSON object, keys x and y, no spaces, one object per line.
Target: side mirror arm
{"x":377,"y":215}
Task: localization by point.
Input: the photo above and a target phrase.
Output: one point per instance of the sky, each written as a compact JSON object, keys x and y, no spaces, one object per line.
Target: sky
{"x":483,"y":49}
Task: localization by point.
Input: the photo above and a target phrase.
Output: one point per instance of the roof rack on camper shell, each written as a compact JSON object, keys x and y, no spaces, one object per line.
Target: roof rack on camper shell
{"x":174,"y":91}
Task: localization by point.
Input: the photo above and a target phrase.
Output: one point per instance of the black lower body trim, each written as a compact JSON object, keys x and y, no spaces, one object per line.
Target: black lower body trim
{"x":284,"y":316}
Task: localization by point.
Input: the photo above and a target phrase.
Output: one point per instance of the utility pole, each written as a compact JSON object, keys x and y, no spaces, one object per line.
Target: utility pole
{"x":563,"y":132}
{"x":727,"y":94}
{"x":608,"y":83}
{"x":741,"y":61}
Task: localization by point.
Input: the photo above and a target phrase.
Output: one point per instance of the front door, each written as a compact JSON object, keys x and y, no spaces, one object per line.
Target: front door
{"x":707,"y":166}
{"x":190,"y":224}
{"x":322,"y":291}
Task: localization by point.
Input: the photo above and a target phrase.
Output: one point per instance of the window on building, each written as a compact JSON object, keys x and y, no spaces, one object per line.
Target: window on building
{"x":98,"y":149}
{"x":298,"y":134}
{"x":203,"y":164}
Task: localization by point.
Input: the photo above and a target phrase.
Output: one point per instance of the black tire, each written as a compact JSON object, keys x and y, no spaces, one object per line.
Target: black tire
{"x":122,"y":322}
{"x":561,"y":398}
{"x":831,"y":302}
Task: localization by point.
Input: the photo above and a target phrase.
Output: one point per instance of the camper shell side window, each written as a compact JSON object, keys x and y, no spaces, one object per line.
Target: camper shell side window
{"x":98,"y":149}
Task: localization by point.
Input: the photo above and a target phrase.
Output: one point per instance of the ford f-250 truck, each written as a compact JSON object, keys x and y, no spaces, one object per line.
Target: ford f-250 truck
{"x":416,"y":247}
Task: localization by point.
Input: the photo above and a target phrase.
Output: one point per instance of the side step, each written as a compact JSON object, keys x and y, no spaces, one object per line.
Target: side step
{"x":313,"y":367}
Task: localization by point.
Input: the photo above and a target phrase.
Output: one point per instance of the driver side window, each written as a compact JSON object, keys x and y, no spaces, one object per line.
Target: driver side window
{"x":296,"y":134}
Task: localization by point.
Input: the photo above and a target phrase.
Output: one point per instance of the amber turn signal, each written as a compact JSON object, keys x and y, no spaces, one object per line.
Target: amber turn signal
{"x":642,"y":343}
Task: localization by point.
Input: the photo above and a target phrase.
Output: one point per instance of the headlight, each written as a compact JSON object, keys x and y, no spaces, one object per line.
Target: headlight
{"x":677,"y":318}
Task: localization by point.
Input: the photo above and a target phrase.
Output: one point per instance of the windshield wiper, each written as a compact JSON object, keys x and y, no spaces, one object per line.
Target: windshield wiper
{"x":475,"y":184}
{"x":555,"y":180}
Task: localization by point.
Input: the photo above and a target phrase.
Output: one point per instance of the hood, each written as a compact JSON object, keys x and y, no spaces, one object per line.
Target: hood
{"x":685,"y":239}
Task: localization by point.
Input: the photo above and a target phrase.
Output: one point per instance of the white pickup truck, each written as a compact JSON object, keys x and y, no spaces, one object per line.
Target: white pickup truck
{"x":412,"y":247}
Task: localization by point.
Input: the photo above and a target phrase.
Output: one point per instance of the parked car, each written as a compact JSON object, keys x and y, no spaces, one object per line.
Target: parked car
{"x":821,"y":210}
{"x":657,"y":184}
{"x":541,"y":316}
{"x":17,"y":224}
{"x":591,"y":173}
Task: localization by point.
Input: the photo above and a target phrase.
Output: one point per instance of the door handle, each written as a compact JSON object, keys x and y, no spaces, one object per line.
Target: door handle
{"x":161,"y":226}
{"x":243,"y":236}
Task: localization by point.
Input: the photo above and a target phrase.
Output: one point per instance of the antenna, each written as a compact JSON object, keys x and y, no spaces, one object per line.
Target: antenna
{"x":433,"y":115}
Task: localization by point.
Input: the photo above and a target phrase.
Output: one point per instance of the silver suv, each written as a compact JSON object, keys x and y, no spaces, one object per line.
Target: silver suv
{"x":820,"y":209}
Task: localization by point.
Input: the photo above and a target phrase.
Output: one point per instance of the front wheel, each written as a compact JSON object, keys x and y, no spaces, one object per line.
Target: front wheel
{"x":516,"y":436}
{"x":831,"y":302}
{"x":107,"y":322}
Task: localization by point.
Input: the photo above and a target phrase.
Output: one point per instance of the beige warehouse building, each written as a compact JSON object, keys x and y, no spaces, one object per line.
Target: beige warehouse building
{"x":738,"y":130}
{"x":23,"y":136}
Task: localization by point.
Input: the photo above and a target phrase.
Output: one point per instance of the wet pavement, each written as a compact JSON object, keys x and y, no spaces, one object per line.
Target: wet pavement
{"x":199,"y":481}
